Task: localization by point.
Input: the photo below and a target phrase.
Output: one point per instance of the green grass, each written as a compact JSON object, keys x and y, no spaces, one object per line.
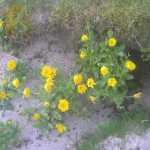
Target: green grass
{"x":8,"y":135}
{"x":136,"y":121}
{"x":21,"y":71}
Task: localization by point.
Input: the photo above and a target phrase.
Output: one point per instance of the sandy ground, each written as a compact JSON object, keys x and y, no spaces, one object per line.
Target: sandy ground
{"x":32,"y":138}
{"x":53,"y":49}
{"x":128,"y":142}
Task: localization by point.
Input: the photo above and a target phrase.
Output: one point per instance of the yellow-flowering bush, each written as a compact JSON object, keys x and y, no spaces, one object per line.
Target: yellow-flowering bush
{"x":103,"y":70}
{"x":53,"y":101}
{"x":13,"y":83}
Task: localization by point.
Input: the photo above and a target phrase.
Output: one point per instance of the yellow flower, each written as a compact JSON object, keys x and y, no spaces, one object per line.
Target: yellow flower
{"x":1,"y":24}
{"x":77,"y":79}
{"x":92,"y":99}
{"x":11,"y":65}
{"x":84,"y":38}
{"x":130,"y":65}
{"x":49,"y":80}
{"x":63,"y":105}
{"x":26,"y":92}
{"x":81,"y":88}
{"x":3,"y":95}
{"x":46,"y":104}
{"x":112,"y":42}
{"x":91,"y":83}
{"x":60,"y":128}
{"x":36,"y":116}
{"x":112,"y":82}
{"x":104,"y":71}
{"x":48,"y":72}
{"x":48,"y":86}
{"x":16,"y":83}
{"x":83,"y":54}
{"x":137,"y":95}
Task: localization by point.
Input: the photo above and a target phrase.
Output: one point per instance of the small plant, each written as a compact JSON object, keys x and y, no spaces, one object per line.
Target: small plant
{"x":103,"y":70}
{"x":53,"y":102}
{"x":21,"y":70}
{"x":13,"y":83}
{"x":9,"y":133}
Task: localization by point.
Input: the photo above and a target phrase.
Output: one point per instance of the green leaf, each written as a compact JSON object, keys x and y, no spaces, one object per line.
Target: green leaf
{"x":110,"y":33}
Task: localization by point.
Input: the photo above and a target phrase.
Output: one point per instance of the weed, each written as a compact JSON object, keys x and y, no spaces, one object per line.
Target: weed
{"x":8,"y":135}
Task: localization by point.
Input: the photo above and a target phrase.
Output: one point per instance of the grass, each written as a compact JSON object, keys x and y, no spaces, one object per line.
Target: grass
{"x":128,"y":19}
{"x":8,"y":135}
{"x":136,"y":121}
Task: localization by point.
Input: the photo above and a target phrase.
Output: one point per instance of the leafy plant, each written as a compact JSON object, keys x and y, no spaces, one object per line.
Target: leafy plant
{"x":13,"y":83}
{"x":9,"y":133}
{"x":103,"y":70}
{"x":21,"y":70}
{"x":53,"y":102}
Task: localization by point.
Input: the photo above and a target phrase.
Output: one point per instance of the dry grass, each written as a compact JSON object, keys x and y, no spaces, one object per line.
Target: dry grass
{"x":129,"y":19}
